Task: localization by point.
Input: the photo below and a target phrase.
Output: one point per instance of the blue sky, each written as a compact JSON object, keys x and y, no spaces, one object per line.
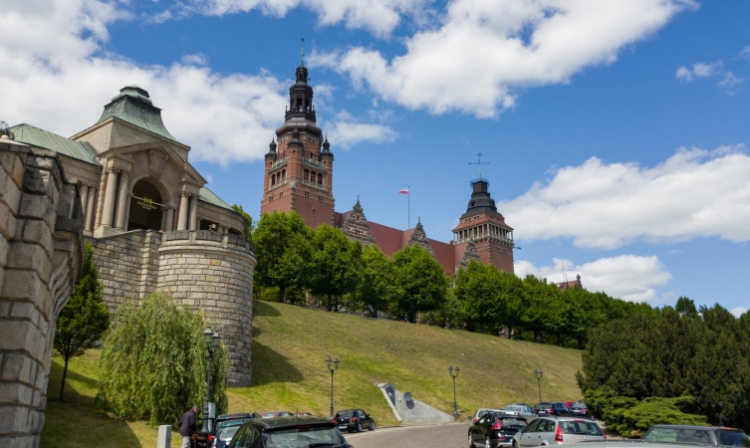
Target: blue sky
{"x":616,"y":132}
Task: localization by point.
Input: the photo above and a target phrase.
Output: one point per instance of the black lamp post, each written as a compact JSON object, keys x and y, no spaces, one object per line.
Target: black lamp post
{"x":454,"y":373}
{"x":538,"y":374}
{"x":332,"y":366}
{"x":211,"y":339}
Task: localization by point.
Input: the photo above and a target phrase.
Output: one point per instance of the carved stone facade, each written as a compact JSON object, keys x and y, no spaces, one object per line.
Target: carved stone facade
{"x":356,"y":227}
{"x":419,"y":237}
{"x":40,"y":261}
{"x":147,"y":213}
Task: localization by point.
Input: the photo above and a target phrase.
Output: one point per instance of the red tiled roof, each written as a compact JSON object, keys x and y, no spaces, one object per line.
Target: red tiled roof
{"x":387,"y":238}
{"x":445,"y":254}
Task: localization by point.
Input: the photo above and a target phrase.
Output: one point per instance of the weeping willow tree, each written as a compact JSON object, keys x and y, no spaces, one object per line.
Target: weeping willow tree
{"x":153,"y":363}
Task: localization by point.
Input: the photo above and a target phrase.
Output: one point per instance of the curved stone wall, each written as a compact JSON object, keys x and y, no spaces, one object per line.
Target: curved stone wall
{"x":214,"y":272}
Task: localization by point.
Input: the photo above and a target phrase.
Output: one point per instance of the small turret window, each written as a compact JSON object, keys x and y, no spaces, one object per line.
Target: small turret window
{"x":320,"y":178}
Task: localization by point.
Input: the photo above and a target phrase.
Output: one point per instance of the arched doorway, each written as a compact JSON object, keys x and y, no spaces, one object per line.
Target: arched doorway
{"x":145,"y":207}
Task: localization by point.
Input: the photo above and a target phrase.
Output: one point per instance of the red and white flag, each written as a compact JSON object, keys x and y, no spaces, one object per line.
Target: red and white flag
{"x":404,"y":191}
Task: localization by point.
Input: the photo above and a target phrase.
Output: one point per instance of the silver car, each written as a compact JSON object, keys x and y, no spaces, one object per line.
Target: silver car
{"x":552,"y":431}
{"x":520,"y":410}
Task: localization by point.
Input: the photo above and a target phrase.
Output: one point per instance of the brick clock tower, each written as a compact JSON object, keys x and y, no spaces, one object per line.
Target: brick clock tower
{"x":299,"y":169}
{"x":485,"y":229}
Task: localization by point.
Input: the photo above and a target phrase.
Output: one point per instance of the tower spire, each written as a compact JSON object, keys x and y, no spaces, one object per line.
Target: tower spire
{"x":479,"y":164}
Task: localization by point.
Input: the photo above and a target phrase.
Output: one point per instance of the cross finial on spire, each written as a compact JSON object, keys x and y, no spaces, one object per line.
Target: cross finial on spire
{"x":302,"y":53}
{"x":479,"y":164}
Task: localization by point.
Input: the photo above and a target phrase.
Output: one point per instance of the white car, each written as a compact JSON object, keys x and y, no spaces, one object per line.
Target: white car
{"x":481,"y":411}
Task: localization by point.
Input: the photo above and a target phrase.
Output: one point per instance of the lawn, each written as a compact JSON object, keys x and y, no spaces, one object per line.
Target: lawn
{"x":289,"y":373}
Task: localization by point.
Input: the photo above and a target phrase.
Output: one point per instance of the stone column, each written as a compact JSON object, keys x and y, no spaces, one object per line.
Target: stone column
{"x":122,"y":201}
{"x":84,"y":189}
{"x":182,"y":218}
{"x":91,"y":199}
{"x":109,"y":198}
{"x":170,"y":220}
{"x":194,"y":212}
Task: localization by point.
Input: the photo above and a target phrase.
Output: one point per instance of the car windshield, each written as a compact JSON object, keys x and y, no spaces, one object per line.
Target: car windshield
{"x":304,"y":437}
{"x":513,"y":408}
{"x":700,"y":436}
{"x":544,"y":406}
{"x":227,"y":432}
{"x":581,"y":428}
{"x":579,"y":406}
{"x":232,"y":422}
{"x":733,"y":438}
{"x":344,"y":414}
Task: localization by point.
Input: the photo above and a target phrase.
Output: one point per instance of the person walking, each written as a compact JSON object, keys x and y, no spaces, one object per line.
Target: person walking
{"x":187,"y":425}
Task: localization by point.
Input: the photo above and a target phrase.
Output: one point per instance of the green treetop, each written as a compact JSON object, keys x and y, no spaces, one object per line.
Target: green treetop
{"x":376,"y":288}
{"x":336,"y":264}
{"x":282,"y":248}
{"x":420,"y":282}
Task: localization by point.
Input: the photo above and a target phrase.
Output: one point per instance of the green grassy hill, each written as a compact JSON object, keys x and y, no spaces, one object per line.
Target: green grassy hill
{"x":289,"y":373}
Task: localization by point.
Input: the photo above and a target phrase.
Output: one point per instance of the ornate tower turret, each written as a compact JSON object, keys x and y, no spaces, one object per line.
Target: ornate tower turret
{"x":483,"y":227}
{"x":299,"y":175}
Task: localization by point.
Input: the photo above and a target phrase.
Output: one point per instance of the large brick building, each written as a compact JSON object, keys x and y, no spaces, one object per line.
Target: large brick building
{"x":299,"y":176}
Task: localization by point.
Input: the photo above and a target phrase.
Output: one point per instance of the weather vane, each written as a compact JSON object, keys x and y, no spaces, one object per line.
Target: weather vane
{"x":479,"y":164}
{"x":303,"y":51}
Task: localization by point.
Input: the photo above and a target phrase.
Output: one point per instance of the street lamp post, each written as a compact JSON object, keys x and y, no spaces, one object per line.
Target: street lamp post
{"x":332,"y":366}
{"x":538,"y":374}
{"x":211,"y":339}
{"x":454,"y":373}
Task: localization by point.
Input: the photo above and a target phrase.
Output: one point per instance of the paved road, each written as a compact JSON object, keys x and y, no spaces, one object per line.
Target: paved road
{"x":451,"y":435}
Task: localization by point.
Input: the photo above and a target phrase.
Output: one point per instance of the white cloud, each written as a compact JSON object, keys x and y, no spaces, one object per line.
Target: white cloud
{"x":739,"y":311}
{"x":194,"y":59}
{"x":694,"y":193}
{"x":699,"y":70}
{"x":378,"y":16}
{"x":345,"y":131}
{"x":485,"y":51}
{"x":745,"y":52}
{"x":628,"y":277}
{"x":56,"y":75}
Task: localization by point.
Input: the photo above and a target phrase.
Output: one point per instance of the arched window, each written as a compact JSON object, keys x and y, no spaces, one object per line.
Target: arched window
{"x":306,"y":174}
{"x":283,"y":174}
{"x":320,"y":178}
{"x":145,"y":207}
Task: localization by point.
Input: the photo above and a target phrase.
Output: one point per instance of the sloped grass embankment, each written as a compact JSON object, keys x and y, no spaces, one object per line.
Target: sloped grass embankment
{"x":289,"y":373}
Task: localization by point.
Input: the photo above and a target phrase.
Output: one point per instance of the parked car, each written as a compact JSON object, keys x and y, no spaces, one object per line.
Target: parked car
{"x":354,"y":420}
{"x":288,"y":432}
{"x":480,"y":412}
{"x":522,"y":404}
{"x":552,"y":408}
{"x":708,"y":435}
{"x":557,"y":430}
{"x":495,"y":430}
{"x":275,"y":414}
{"x":579,"y":409}
{"x":519,"y":410}
{"x":219,"y":436}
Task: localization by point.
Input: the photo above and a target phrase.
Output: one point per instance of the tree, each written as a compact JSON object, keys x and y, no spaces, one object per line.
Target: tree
{"x":336,"y":264}
{"x":420,"y":282}
{"x":376,"y":286}
{"x":154,"y":361}
{"x":282,"y":248}
{"x":478,"y":288}
{"x":247,"y":231}
{"x":84,"y":319}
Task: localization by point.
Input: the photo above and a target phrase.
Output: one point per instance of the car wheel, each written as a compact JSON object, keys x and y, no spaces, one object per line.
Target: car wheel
{"x":486,"y":442}
{"x":515,"y":444}
{"x":372,"y":426}
{"x":359,"y":427}
{"x":471,"y":443}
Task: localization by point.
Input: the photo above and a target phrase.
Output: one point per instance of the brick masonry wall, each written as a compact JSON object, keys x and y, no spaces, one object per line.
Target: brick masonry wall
{"x":128,"y":265}
{"x":40,"y":260}
{"x":214,"y":272}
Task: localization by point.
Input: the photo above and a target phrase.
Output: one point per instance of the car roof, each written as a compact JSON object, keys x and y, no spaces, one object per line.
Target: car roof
{"x":236,"y":415}
{"x":282,"y":422}
{"x":711,"y":428}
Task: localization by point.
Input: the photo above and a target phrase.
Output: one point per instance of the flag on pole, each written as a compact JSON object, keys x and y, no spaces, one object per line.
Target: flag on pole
{"x":404,"y":191}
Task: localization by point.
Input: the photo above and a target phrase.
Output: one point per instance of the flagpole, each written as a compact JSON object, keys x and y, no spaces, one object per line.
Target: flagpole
{"x":408,"y":207}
